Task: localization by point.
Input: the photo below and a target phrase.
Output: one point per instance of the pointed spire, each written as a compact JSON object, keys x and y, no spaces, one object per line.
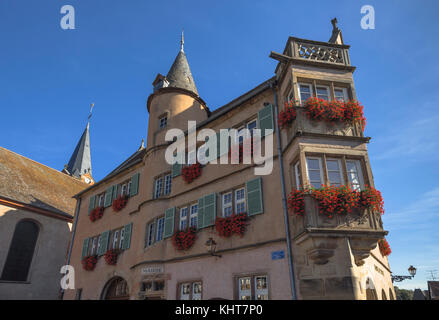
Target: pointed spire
{"x":80,"y":161}
{"x":180,"y":76}
{"x":182,"y":41}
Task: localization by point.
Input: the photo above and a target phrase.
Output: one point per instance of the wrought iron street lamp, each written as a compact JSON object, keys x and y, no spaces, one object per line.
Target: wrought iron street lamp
{"x":412,"y":271}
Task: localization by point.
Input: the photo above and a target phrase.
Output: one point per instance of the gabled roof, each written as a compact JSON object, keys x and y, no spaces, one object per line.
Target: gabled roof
{"x":80,"y":161}
{"x":28,"y":182}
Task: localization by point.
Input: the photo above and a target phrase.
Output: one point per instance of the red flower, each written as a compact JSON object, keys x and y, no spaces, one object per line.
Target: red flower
{"x":120,"y":203}
{"x":287,"y":116}
{"x":384,"y":247}
{"x":89,"y":262}
{"x":111,"y":256}
{"x":296,"y":202}
{"x":96,"y":214}
{"x":183,"y":240}
{"x":191,"y":172}
{"x":371,"y":198}
{"x":235,"y":224}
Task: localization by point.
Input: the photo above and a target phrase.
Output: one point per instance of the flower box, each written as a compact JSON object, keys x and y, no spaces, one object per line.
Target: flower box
{"x":96,"y":214}
{"x":89,"y":262}
{"x":235,"y":224}
{"x":384,"y":247}
{"x":191,"y":172}
{"x":120,"y":203}
{"x":111,"y":256}
{"x":184,"y":240}
{"x":287,"y":116}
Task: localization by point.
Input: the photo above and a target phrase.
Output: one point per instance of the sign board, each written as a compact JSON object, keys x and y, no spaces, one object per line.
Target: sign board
{"x":277,"y":255}
{"x":152,"y":270}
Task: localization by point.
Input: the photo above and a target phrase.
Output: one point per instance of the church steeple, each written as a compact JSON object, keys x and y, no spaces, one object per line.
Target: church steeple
{"x":79,"y":165}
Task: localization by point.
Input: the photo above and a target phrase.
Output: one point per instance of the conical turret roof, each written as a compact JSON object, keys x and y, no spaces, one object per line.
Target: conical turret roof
{"x":80,"y":161}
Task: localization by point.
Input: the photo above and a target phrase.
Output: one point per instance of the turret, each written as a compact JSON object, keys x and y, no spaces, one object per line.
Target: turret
{"x":175,"y":100}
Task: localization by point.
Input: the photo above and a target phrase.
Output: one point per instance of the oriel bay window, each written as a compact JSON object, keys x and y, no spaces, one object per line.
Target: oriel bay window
{"x":330,"y":171}
{"x":328,"y":92}
{"x":252,"y":287}
{"x":190,"y":290}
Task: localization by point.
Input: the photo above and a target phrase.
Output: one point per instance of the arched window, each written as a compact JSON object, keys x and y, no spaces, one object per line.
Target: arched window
{"x":116,"y":289}
{"x":383,"y":295}
{"x":21,"y":251}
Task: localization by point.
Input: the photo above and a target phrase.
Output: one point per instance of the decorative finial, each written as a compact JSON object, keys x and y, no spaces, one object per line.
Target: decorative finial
{"x":142,"y":145}
{"x":91,"y":111}
{"x":182,"y":41}
{"x":334,"y":24}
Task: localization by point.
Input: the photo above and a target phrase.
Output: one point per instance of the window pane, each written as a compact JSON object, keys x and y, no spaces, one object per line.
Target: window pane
{"x":261,"y":288}
{"x":314,"y":175}
{"x":194,"y":216}
{"x":354,"y":174}
{"x":168,"y":182}
{"x":339,"y":94}
{"x":160,"y":228}
{"x":185,"y":291}
{"x":313,"y":164}
{"x":244,"y":288}
{"x":322,"y":93}
{"x":305,"y":92}
{"x":196,"y":291}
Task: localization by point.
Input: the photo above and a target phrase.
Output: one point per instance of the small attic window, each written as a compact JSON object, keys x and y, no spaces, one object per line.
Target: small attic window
{"x":163,"y":121}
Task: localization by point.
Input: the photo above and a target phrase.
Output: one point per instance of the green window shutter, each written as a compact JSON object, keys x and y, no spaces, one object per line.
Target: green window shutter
{"x":209,"y":210}
{"x":176,"y":167}
{"x":134,"y":185}
{"x":114,"y":196}
{"x":211,"y":154}
{"x":169,"y":222}
{"x":200,"y":213}
{"x":85,"y":248}
{"x":265,"y":119}
{"x":104,"y":243}
{"x":222,"y":141}
{"x":108,"y":197}
{"x":91,"y":204}
{"x":254,"y":196}
{"x":127,"y":236}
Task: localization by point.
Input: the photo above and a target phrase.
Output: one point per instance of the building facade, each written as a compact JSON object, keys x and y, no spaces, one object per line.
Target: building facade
{"x":36,"y":215}
{"x":139,"y":209}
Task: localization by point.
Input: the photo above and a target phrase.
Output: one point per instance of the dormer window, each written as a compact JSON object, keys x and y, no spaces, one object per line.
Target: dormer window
{"x":163,"y":121}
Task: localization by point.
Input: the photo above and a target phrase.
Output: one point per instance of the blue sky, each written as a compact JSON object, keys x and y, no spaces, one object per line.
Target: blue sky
{"x":49,"y":77}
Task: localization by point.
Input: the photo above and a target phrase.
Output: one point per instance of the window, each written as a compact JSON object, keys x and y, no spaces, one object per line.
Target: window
{"x":191,"y":290}
{"x":202,"y":153}
{"x":94,"y":242}
{"x":245,"y":288}
{"x":334,"y":172}
{"x":123,"y":189}
{"x":253,"y":287}
{"x":315,"y":175}
{"x":227,"y":204}
{"x":355,"y":175}
{"x":323,"y":92}
{"x":115,"y":238}
{"x":252,"y":125}
{"x":99,"y":243}
{"x":21,"y":251}
{"x":183,"y":218}
{"x":340,"y":94}
{"x":305,"y":91}
{"x":122,"y":236}
{"x":78,"y":294}
{"x":163,"y":121}
{"x":261,"y":288}
{"x":194,"y":216}
{"x":162,"y":185}
{"x":168,"y":183}
{"x":240,"y":201}
{"x":297,"y":175}
{"x":160,"y":229}
{"x":101,"y":200}
{"x":192,"y":157}
{"x":150,"y":234}
{"x":158,"y":187}
{"x":153,"y":286}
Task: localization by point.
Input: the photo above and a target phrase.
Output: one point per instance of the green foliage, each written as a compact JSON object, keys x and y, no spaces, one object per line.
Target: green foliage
{"x":403,"y":294}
